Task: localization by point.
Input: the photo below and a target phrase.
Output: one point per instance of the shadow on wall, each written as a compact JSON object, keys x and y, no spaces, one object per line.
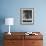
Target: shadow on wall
{"x":1,"y":39}
{"x":2,"y":21}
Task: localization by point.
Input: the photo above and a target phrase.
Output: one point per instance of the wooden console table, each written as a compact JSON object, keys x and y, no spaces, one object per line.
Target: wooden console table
{"x":20,"y":39}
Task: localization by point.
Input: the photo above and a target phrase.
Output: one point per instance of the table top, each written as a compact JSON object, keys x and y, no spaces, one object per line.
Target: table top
{"x":22,"y":35}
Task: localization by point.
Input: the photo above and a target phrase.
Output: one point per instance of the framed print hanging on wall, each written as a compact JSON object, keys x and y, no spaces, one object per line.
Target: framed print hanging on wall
{"x":27,"y":15}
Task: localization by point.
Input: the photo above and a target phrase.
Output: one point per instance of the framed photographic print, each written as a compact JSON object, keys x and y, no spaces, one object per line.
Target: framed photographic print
{"x":27,"y":15}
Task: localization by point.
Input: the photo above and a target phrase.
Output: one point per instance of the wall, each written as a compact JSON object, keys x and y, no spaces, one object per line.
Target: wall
{"x":11,"y":8}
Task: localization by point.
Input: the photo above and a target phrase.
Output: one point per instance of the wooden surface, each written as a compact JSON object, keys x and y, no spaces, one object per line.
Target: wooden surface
{"x":20,"y":39}
{"x":33,"y":43}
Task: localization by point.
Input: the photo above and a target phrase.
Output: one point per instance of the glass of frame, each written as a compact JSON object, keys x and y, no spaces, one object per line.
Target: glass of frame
{"x":27,"y":15}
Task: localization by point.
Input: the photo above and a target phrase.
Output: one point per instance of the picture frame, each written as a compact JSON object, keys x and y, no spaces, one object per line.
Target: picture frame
{"x":27,"y":15}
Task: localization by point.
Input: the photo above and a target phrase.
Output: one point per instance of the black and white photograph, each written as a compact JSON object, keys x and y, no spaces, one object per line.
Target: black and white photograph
{"x":27,"y":15}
